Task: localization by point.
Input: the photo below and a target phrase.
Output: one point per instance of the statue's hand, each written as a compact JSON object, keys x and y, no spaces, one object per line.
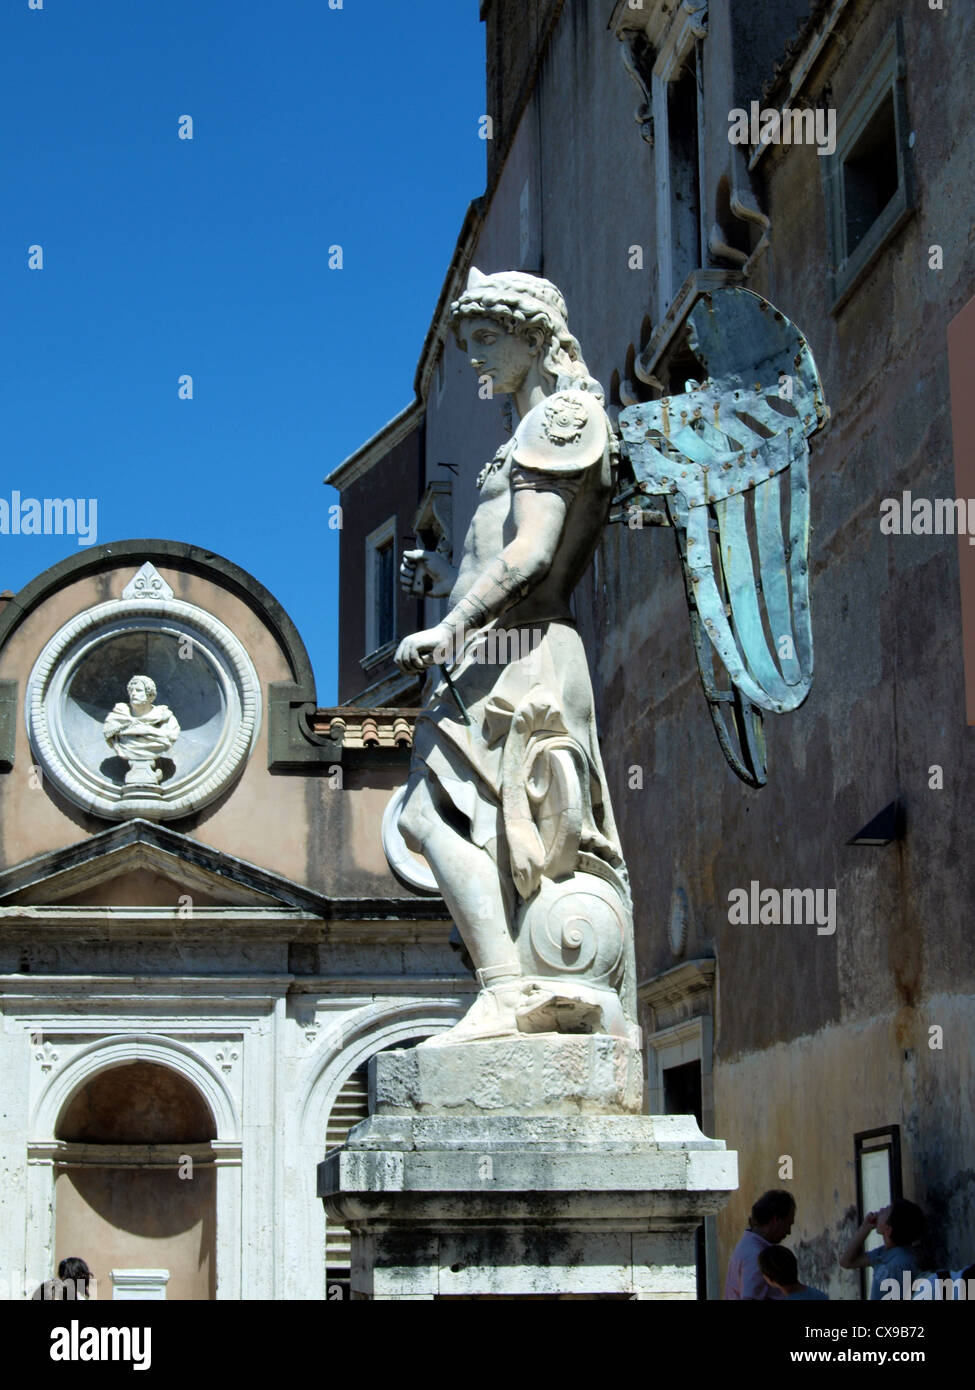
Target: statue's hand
{"x":424,"y":572}
{"x":423,"y":649}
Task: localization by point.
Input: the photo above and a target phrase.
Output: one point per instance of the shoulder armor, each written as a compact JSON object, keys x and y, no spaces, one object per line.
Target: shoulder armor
{"x":565,"y":433}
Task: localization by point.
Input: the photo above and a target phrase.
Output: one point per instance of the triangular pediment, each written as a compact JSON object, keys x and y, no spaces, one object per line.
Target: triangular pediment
{"x":142,"y":864}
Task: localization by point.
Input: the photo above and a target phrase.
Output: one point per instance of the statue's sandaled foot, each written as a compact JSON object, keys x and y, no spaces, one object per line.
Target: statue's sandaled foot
{"x":554,"y":1006}
{"x":492,"y":1015}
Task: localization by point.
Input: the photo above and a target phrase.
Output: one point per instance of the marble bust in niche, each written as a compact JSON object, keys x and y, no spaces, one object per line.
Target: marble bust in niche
{"x":141,"y":731}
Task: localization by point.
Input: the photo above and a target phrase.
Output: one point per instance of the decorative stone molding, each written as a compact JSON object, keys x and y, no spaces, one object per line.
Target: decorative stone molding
{"x":105,"y":1053}
{"x":637,"y":59}
{"x":139,"y":1285}
{"x":148,"y":583}
{"x":670,"y":331}
{"x":205,"y":676}
{"x":669,"y":25}
{"x":677,"y":924}
{"x":47,"y":1056}
{"x":686,"y":991}
{"x":376,"y":658}
{"x":351,"y":469}
{"x":227,"y":1057}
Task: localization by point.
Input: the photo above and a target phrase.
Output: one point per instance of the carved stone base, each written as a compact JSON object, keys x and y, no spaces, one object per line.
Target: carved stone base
{"x":530,"y":1075}
{"x":143,"y":775}
{"x":583,"y":1206}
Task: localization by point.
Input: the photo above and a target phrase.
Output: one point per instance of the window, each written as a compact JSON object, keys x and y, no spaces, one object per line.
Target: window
{"x":385,"y":595}
{"x":381,"y":586}
{"x":685,"y":172}
{"x":877,"y":1155}
{"x":678,"y":111}
{"x":869,"y":179}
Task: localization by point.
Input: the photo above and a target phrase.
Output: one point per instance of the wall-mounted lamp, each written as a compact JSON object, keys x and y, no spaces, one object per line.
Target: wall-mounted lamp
{"x":884,"y":828}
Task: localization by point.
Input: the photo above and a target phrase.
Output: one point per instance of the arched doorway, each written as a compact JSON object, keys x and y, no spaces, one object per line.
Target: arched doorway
{"x":135,"y":1181}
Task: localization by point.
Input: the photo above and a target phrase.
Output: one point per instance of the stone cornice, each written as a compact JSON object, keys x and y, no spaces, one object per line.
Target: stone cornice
{"x":683,"y":982}
{"x":214,"y":1003}
{"x":453,"y":283}
{"x":397,"y":920}
{"x":802,"y":50}
{"x":351,"y":469}
{"x":63,"y":871}
{"x":668,"y":24}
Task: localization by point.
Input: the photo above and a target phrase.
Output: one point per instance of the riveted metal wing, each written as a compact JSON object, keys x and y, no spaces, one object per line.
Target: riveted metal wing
{"x":730,"y":458}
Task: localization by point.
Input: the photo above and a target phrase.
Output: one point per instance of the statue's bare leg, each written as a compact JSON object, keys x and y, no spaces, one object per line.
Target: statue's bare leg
{"x":469,"y":881}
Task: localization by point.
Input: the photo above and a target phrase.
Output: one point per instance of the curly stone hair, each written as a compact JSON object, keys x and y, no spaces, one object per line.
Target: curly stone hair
{"x":148,"y":682}
{"x":520,"y":303}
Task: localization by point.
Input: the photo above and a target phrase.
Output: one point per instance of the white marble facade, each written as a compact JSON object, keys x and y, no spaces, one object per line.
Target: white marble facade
{"x":269,"y":1065}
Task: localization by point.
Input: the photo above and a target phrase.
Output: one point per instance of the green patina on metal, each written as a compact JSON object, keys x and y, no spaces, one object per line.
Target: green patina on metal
{"x":724,"y":455}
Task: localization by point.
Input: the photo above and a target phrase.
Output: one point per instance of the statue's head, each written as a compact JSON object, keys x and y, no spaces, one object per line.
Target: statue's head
{"x":510,"y":320}
{"x":141,"y":691}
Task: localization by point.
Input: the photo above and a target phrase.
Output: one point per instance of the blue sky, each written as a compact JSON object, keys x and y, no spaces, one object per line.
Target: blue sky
{"x":163,"y":257}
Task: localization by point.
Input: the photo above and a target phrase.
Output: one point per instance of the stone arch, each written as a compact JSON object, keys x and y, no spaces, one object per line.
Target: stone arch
{"x":136,"y":1103}
{"x":105,"y":1053}
{"x":372,"y":1029}
{"x":116,"y":555}
{"x":363,"y":1036}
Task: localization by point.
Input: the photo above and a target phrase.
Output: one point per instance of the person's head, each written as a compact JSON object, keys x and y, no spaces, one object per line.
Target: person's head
{"x":75,"y":1270}
{"x":902,"y":1223}
{"x":142,"y":691}
{"x":778,"y":1264}
{"x":773,"y":1214}
{"x":512,"y":321}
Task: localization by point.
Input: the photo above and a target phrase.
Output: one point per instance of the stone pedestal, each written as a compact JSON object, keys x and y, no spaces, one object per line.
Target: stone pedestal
{"x":540,"y":1074}
{"x":452,"y":1200}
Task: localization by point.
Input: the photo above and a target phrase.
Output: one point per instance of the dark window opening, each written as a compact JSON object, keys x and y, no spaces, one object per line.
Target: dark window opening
{"x":682,"y":1096}
{"x":682,"y":1090}
{"x":385,"y":595}
{"x":870,"y":175}
{"x":684,"y":173}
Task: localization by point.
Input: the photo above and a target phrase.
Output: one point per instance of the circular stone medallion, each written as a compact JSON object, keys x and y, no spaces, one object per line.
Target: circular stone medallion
{"x":204,"y":681}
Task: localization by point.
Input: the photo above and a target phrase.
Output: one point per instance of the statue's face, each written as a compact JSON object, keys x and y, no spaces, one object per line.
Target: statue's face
{"x":506,"y":358}
{"x":138,"y":693}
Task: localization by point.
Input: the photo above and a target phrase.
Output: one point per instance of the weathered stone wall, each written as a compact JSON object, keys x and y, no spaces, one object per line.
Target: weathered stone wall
{"x":817,"y":1036}
{"x":514,"y":31}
